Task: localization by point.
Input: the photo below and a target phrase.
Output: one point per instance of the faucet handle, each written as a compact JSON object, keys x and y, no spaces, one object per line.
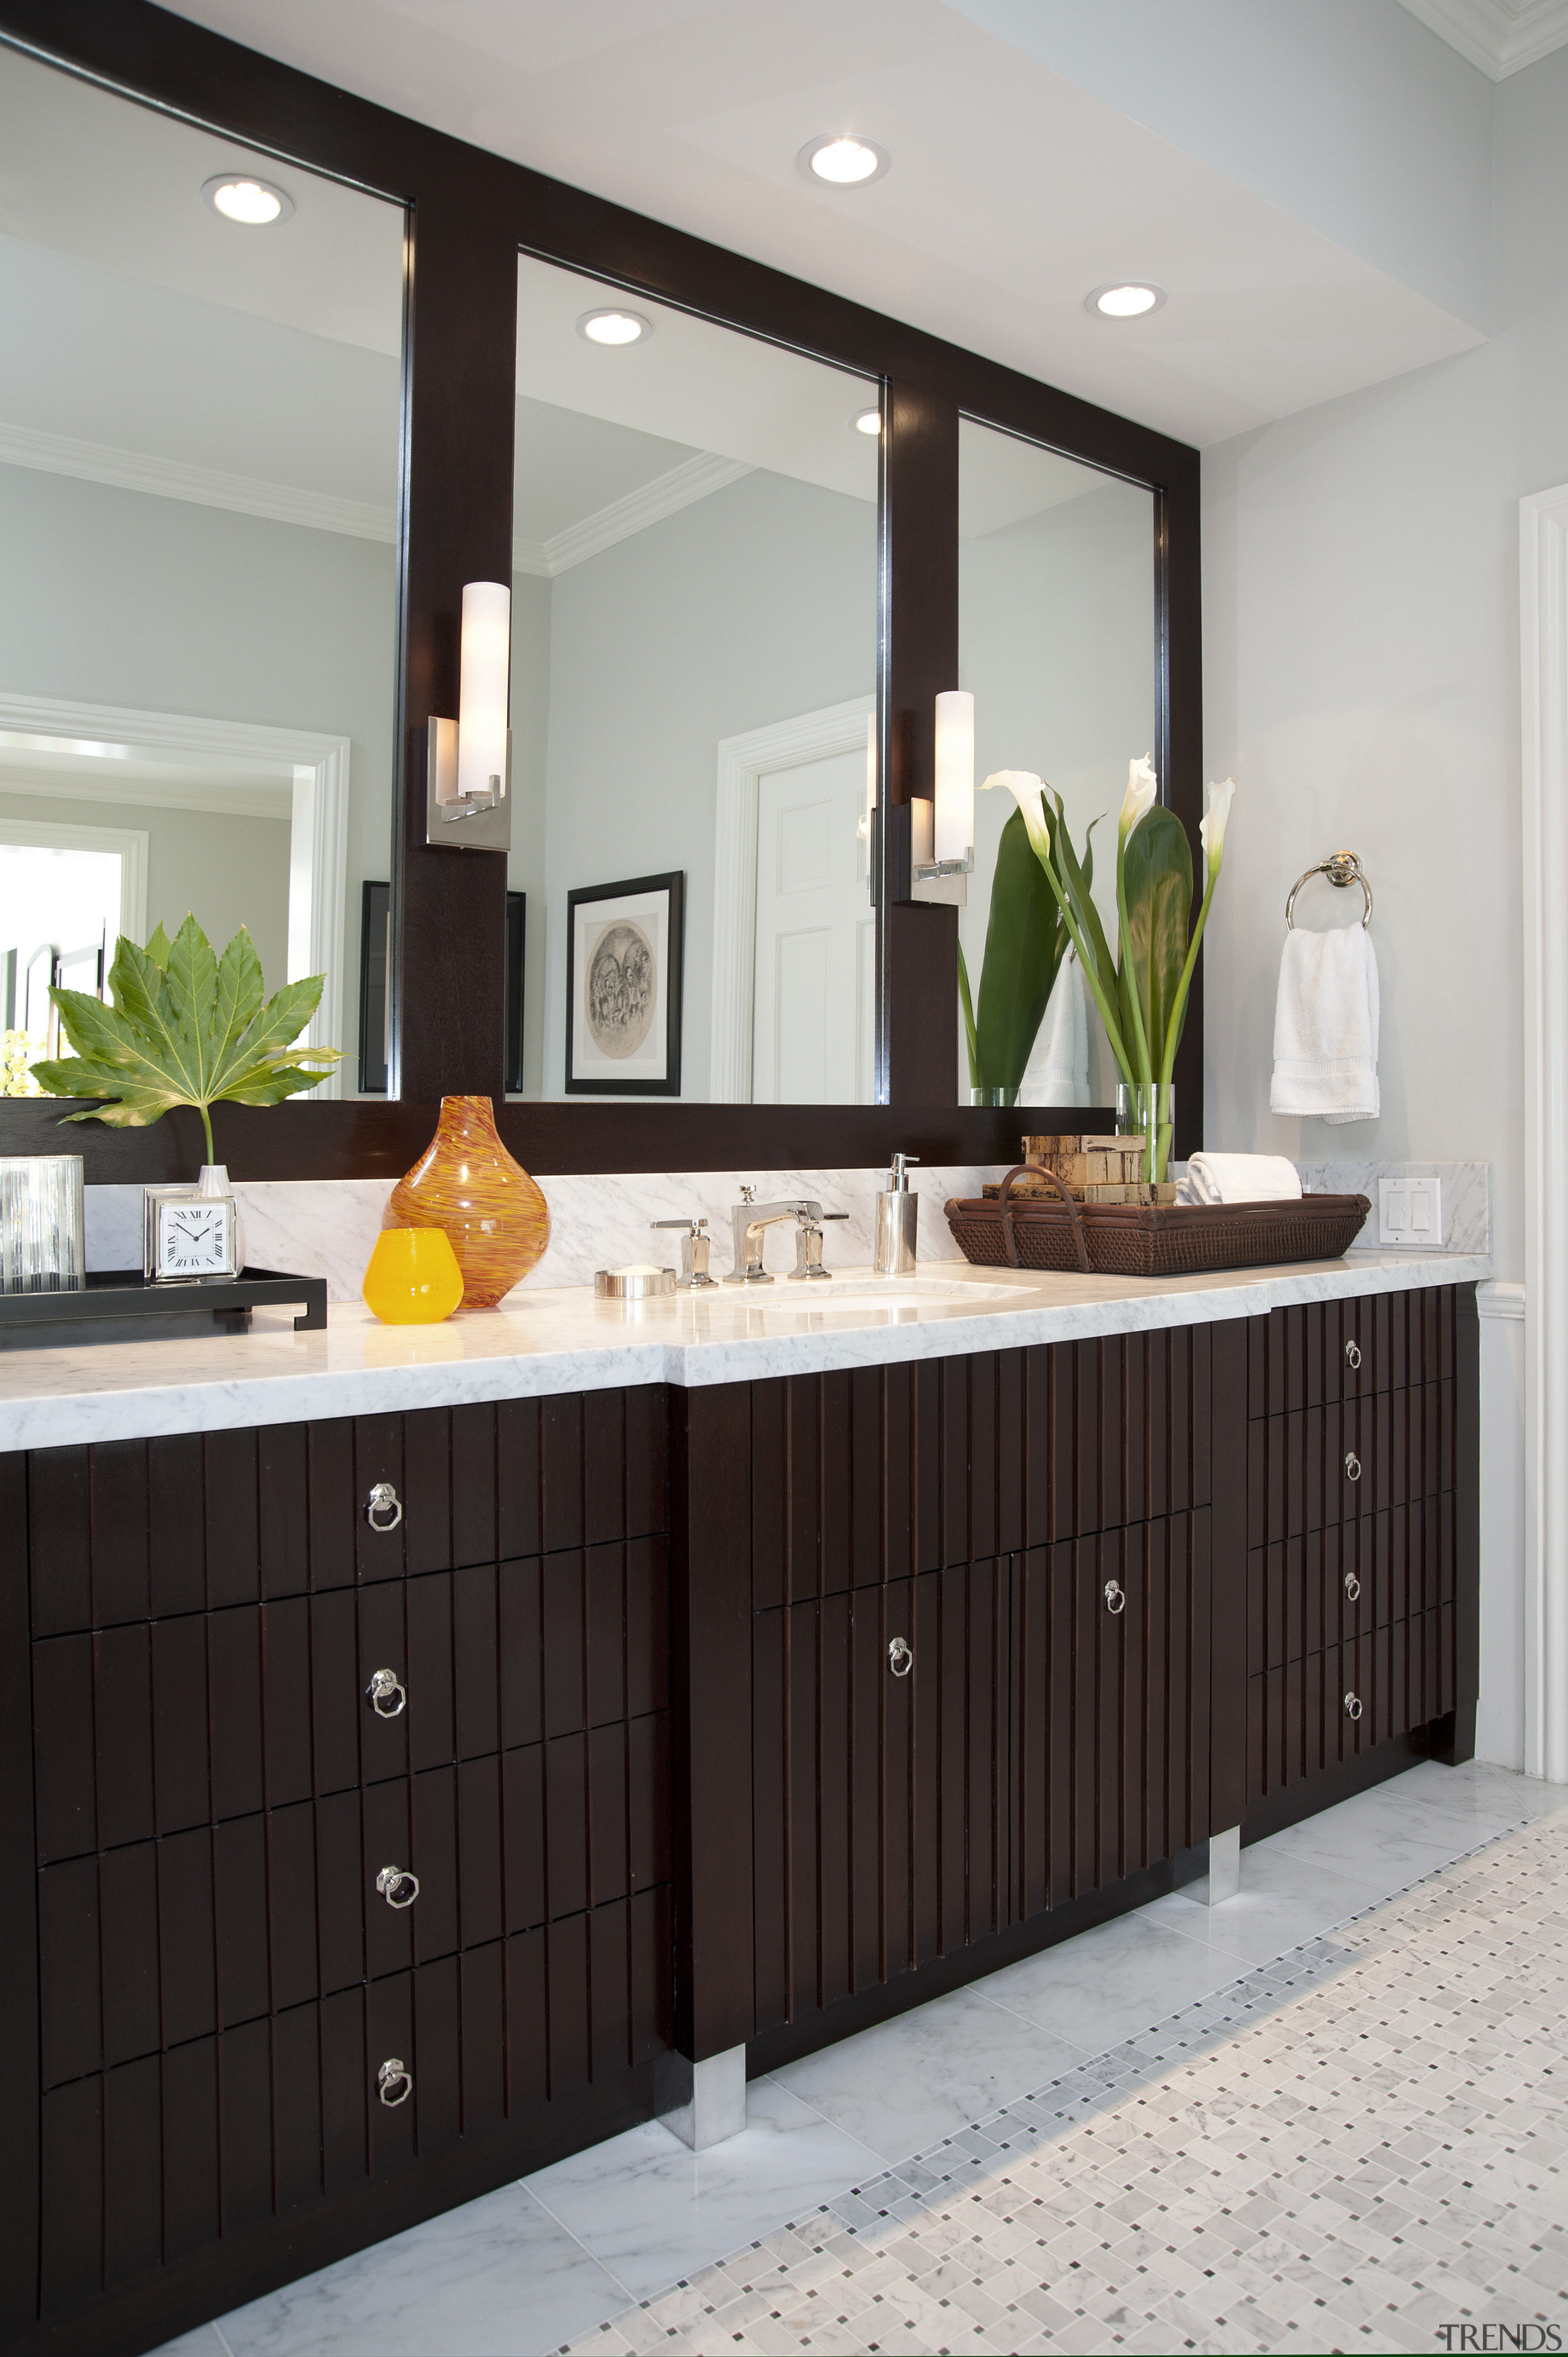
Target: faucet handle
{"x":695,"y":1245}
{"x":748,"y":1194}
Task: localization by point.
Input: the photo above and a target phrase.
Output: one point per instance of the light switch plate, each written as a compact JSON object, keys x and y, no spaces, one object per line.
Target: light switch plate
{"x":1410,"y":1212}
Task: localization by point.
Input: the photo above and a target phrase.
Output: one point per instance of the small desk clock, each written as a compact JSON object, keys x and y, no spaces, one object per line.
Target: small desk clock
{"x":191,"y":1232}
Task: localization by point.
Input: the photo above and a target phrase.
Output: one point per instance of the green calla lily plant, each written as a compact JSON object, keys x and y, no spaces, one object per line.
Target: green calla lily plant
{"x":1141,"y":993}
{"x":187,"y":1027}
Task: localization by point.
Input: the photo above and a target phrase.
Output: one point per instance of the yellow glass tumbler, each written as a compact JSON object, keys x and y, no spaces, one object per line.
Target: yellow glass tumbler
{"x":413,"y":1278}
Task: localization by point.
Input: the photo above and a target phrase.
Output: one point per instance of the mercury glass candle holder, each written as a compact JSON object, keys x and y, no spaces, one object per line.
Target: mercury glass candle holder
{"x":43,"y":1246}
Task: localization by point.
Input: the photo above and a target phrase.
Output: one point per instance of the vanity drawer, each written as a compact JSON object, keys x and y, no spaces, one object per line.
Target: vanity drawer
{"x":1327,"y":1465}
{"x":1339,"y":1703}
{"x":163,"y":2158}
{"x":881,"y":1473}
{"x":1333,"y":1351}
{"x":125,"y":1531}
{"x":218,"y":1926}
{"x":153,"y":1728}
{"x":1324,"y":1588}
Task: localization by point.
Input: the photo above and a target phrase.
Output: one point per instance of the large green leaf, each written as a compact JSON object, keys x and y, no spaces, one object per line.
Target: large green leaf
{"x":1025,"y":937}
{"x":186,"y":1027}
{"x":1158,"y":879}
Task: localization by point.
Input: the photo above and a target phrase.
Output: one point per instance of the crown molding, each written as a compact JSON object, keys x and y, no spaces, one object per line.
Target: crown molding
{"x":693,"y":480}
{"x":1500,"y":36}
{"x":207,"y":487}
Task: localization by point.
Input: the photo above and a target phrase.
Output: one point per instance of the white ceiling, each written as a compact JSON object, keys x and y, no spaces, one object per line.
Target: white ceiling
{"x":1012,"y":192}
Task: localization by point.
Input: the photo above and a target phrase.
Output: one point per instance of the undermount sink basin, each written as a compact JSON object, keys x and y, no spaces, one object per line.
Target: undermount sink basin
{"x":887,"y":1293}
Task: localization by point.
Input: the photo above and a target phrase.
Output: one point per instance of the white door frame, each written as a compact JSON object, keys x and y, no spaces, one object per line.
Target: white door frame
{"x":318,"y":837}
{"x":129,"y":843}
{"x":744,"y":762}
{"x":1543,"y":619}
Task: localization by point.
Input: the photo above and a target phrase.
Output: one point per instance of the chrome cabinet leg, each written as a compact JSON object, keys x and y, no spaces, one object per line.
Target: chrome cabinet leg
{"x":1224,"y":1877}
{"x":703,"y":2103}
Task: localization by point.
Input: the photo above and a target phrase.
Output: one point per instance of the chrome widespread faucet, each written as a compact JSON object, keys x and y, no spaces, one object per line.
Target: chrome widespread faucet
{"x":749,"y":1220}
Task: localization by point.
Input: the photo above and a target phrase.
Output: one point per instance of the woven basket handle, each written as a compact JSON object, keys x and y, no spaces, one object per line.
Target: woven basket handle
{"x":1003,"y":1200}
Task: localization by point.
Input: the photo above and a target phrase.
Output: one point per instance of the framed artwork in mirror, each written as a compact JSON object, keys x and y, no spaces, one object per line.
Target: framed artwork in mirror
{"x":625,"y":947}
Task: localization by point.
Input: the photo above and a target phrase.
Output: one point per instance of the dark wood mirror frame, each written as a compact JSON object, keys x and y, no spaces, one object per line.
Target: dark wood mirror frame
{"x":468,"y":214}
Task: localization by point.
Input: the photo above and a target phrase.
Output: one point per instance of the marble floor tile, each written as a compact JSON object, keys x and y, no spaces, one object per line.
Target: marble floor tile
{"x":205,"y":2341}
{"x":1282,"y":1902}
{"x":1111,"y":1983}
{"x":651,"y":2211}
{"x":499,"y":2277}
{"x":928,"y":2074}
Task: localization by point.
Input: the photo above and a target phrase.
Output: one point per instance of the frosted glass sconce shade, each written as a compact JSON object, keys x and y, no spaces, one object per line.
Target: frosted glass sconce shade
{"x":482,"y":714}
{"x":953,"y":828}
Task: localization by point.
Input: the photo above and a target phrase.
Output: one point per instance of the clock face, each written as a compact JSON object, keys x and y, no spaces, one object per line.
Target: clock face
{"x":195,"y":1239}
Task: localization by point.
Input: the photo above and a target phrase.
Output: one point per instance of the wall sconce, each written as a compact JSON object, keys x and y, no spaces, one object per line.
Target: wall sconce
{"x":941,"y":831}
{"x":469,"y":761}
{"x":866,"y":826}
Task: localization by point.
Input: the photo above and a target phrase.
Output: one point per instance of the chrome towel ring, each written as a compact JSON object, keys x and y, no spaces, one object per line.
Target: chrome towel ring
{"x":1343,"y":869}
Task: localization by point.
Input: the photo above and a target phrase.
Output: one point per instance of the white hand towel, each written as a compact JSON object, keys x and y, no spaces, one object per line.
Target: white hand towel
{"x":1240,"y":1179}
{"x":1325,"y":1027}
{"x":1057,"y":1073}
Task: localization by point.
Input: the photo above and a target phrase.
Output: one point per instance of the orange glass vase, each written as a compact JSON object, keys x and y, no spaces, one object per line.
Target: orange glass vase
{"x":466,"y":1182}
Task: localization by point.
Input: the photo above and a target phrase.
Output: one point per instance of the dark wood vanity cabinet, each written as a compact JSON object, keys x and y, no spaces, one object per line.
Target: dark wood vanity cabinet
{"x":350,"y":1823}
{"x":383,"y":1797}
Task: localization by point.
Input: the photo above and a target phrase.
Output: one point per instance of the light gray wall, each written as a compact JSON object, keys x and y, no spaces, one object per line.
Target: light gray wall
{"x":1362,"y":679}
{"x":749,"y":607}
{"x":118,"y":598}
{"x":1056,"y":643}
{"x":228,"y":872}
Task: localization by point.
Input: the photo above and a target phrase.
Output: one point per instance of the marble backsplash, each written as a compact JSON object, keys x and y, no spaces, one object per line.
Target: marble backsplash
{"x":327,"y":1227}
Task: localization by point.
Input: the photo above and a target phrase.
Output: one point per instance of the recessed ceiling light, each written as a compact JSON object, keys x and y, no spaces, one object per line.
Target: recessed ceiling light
{"x":239,"y":197}
{"x":614,"y":327}
{"x":868,"y":421}
{"x":846,"y":161}
{"x":1128,"y":299}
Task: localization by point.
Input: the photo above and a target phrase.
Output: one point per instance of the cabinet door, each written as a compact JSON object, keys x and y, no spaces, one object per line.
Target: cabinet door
{"x":881,"y":1790}
{"x":1110,"y":1706}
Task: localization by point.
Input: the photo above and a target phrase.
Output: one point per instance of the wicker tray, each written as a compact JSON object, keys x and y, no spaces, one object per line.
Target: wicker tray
{"x":1138,"y":1240}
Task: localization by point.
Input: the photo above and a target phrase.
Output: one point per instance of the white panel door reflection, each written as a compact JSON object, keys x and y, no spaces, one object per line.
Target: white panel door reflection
{"x":816,"y":934}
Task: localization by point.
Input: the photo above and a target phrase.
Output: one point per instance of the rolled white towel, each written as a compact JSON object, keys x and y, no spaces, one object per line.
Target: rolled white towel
{"x":1325,"y":1027}
{"x":1058,"y":1072}
{"x":1240,"y":1179}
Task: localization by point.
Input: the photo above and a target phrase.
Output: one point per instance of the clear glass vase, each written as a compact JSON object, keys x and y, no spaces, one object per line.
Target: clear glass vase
{"x":1002,"y":1096}
{"x":1146,"y":1109}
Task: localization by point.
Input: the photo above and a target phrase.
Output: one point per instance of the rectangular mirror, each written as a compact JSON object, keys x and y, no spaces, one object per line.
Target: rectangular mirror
{"x":1058,"y":644}
{"x":694,"y":627}
{"x":198,"y":475}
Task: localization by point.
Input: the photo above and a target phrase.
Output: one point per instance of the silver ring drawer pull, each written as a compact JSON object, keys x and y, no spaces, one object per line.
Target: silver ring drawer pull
{"x":397,"y":1885}
{"x":393,"y":2076}
{"x":1352,"y":1466}
{"x":1115,"y":1597}
{"x":1352,"y":1586}
{"x":1352,"y":1355}
{"x":384,"y":1500}
{"x":900,"y":1656}
{"x":1352,"y":1706}
{"x":387,"y":1697}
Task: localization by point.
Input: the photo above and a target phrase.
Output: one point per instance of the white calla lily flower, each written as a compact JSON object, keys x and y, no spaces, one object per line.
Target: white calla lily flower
{"x":1029,"y":792}
{"x":1142,"y":790}
{"x":1212,"y":832}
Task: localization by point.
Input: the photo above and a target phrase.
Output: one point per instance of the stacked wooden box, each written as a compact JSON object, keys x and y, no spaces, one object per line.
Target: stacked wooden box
{"x":1093,"y":1169}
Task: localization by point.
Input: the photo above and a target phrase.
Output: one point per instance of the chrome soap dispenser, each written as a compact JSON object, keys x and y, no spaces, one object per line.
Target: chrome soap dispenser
{"x":897,"y":1215}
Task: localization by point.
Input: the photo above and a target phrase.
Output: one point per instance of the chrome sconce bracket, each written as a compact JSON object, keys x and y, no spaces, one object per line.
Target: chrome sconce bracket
{"x":462,"y":823}
{"x":913,"y":871}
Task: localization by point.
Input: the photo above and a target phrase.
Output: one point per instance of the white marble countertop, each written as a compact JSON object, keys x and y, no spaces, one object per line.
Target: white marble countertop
{"x":542,"y":1342}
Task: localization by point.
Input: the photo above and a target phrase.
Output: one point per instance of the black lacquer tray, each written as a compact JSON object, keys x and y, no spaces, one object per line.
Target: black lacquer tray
{"x":120,"y":1304}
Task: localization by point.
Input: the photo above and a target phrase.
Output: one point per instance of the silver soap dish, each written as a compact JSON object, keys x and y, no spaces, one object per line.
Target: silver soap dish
{"x":632,"y":1285}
